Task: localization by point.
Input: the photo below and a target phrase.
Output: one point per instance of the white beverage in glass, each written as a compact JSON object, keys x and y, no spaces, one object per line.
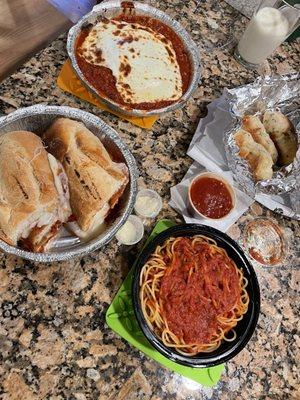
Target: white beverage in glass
{"x":269,"y":27}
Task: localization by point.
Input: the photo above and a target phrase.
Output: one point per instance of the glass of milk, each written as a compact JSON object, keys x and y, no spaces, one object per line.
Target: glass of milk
{"x":272,"y":22}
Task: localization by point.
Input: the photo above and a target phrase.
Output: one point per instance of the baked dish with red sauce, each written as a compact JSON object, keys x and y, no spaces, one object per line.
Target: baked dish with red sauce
{"x":135,"y":61}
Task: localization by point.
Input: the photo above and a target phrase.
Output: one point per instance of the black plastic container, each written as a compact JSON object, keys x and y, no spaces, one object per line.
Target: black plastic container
{"x":244,"y":328}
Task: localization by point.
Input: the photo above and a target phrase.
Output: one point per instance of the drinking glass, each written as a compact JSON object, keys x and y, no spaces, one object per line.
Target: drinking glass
{"x":272,"y":22}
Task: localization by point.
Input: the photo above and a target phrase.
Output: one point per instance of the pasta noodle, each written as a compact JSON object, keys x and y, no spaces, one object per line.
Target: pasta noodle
{"x":192,"y":294}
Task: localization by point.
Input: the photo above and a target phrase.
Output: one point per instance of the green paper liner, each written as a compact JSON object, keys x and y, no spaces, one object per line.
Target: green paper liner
{"x":121,"y":319}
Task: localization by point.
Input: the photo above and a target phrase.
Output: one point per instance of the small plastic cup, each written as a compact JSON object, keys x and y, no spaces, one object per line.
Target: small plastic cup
{"x":139,"y":231}
{"x":265,"y":241}
{"x":152,"y":194}
{"x":220,"y":178}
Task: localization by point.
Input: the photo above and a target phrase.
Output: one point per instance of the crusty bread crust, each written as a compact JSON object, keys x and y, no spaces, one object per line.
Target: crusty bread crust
{"x":94,"y":179}
{"x":283,"y":134}
{"x":26,"y":184}
{"x":259,"y":159}
{"x":253,"y":125}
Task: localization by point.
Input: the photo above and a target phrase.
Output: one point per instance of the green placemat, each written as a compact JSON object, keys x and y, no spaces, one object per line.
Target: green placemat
{"x":121,"y":319}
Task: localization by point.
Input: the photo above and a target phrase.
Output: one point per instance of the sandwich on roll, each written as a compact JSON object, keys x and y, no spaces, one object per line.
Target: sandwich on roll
{"x":34,"y":197}
{"x":96,"y":182}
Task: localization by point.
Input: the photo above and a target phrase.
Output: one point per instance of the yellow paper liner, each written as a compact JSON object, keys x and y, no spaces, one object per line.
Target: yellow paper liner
{"x":68,"y":81}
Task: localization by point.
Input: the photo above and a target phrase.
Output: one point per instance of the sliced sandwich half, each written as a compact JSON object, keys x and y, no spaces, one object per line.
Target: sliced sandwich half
{"x":96,"y":182}
{"x":34,"y":196}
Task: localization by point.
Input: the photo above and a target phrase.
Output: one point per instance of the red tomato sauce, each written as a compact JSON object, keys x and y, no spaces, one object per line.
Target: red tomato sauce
{"x":192,"y":302}
{"x":211,"y":197}
{"x":102,"y":79}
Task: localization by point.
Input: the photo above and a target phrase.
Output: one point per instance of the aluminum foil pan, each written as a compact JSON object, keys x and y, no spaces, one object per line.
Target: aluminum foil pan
{"x":272,"y":93}
{"x":37,"y":119}
{"x":111,"y":9}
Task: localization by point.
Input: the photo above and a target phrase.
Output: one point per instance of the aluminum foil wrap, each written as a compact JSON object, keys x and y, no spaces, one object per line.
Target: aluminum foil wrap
{"x":272,"y":93}
{"x":37,"y":119}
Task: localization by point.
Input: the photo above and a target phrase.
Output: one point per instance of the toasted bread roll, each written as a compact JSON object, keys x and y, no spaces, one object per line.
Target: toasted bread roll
{"x":259,"y":159}
{"x":282,"y":132}
{"x":253,"y":125}
{"x":95,"y":181}
{"x":33,"y":195}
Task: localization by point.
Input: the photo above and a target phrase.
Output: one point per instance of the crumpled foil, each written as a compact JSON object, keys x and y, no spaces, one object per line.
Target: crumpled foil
{"x":273,"y":93}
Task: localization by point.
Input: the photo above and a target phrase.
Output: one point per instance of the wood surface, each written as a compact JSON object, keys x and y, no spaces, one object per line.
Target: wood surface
{"x":26,"y":26}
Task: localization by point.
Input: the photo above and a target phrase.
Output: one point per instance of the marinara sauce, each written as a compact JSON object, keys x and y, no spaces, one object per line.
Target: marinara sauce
{"x":191,"y":302}
{"x":211,"y":197}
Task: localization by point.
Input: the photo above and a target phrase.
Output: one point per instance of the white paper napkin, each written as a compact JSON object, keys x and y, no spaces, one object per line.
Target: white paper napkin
{"x":207,"y":146}
{"x":179,"y":200}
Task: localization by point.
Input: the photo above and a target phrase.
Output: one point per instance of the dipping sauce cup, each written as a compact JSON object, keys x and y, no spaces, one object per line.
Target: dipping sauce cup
{"x":265,"y":241}
{"x":211,"y":196}
{"x":148,"y":203}
{"x":131,"y":232}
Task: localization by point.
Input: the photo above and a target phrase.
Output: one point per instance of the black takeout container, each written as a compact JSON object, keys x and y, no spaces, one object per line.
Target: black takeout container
{"x":244,"y":328}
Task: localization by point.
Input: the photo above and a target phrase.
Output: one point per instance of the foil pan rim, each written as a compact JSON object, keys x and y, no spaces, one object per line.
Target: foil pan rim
{"x":96,"y":243}
{"x":160,"y":15}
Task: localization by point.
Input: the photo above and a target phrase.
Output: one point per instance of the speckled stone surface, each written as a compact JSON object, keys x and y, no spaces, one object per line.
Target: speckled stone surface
{"x":53,"y":338}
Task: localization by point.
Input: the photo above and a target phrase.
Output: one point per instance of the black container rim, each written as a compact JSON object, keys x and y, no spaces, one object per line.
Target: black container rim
{"x":201,"y":360}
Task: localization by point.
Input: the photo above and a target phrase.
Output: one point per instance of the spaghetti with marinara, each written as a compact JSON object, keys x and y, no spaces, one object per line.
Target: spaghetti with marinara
{"x":192,"y":294}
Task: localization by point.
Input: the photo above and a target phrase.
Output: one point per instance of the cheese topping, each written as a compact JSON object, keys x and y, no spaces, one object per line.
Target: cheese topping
{"x":146,"y":205}
{"x":142,"y":61}
{"x":127,"y":233}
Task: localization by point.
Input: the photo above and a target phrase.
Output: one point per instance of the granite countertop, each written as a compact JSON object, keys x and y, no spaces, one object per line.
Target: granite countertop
{"x":53,"y":337}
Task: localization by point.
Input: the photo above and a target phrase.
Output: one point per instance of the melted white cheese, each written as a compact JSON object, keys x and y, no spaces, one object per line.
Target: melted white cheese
{"x":142,"y":61}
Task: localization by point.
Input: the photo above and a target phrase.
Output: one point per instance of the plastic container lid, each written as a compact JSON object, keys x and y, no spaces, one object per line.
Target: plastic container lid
{"x":265,"y":242}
